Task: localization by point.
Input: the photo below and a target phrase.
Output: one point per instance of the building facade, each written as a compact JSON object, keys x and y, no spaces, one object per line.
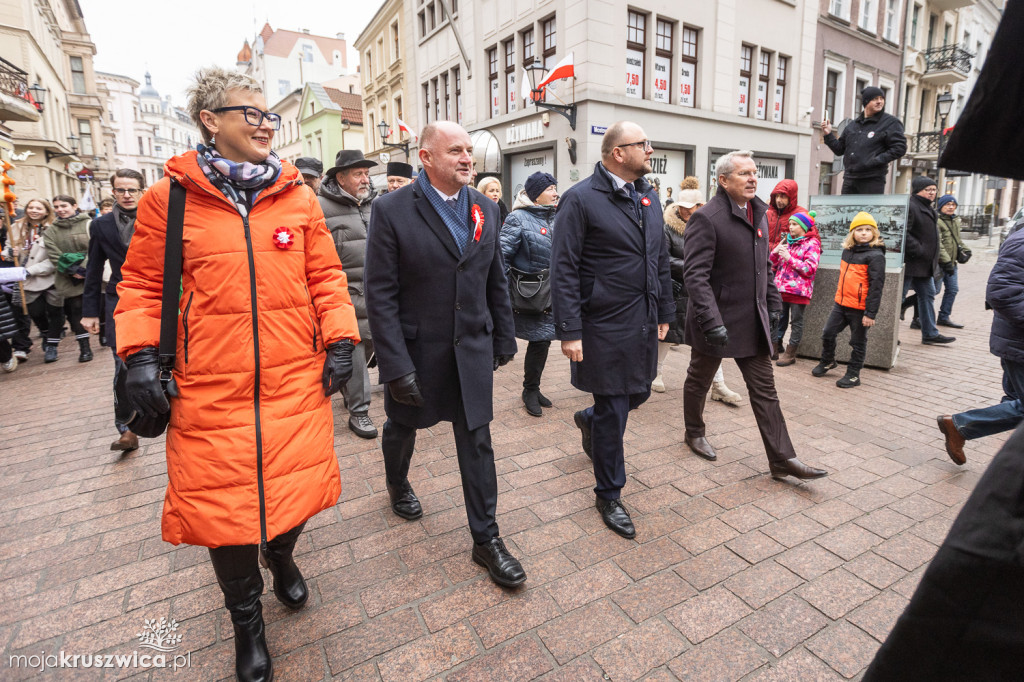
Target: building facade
{"x":859,"y":43}
{"x":329,"y":120}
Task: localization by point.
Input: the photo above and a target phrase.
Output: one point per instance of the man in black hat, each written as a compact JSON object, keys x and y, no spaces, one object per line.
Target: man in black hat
{"x":399,"y":175}
{"x":345,"y":197}
{"x":311,"y":170}
{"x":868,"y":145}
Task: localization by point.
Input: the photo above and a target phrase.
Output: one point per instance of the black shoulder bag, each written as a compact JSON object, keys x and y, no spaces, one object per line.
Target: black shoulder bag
{"x":530,"y":292}
{"x":151,"y":427}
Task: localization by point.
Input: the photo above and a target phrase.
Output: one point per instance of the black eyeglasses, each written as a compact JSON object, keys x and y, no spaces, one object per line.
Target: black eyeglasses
{"x":254,"y":116}
{"x":644,"y":144}
{"x":119,"y":191}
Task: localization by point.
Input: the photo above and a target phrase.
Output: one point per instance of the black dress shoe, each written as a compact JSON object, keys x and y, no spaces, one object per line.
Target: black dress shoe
{"x":796,"y":468}
{"x":543,"y":400}
{"x":949,"y":323}
{"x":937,"y":339}
{"x":404,"y":501}
{"x":531,"y":400}
{"x":702,"y":448}
{"x":915,"y":323}
{"x":616,"y":517}
{"x":503,"y":568}
{"x":581,"y":423}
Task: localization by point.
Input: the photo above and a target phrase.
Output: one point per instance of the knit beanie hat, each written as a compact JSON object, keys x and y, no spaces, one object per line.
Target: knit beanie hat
{"x":861,"y":219}
{"x":869,"y":93}
{"x":805,"y":220}
{"x":945,"y":199}
{"x":919,"y":183}
{"x":537,"y":183}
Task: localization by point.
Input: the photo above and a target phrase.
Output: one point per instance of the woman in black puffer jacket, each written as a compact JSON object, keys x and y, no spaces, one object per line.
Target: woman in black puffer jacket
{"x":526,"y":246}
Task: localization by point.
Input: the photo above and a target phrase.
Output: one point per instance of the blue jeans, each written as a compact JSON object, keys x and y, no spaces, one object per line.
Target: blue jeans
{"x":924,"y":287}
{"x":947,"y":282}
{"x":1004,"y":416}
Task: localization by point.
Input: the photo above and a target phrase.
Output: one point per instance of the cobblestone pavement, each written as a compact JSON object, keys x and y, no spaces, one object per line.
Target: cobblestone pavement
{"x":733,"y":576}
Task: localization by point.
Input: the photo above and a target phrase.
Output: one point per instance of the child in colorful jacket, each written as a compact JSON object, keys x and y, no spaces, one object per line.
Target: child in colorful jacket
{"x":795,"y":260}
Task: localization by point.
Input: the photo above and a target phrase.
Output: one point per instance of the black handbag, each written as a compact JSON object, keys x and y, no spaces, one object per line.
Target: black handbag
{"x":530,"y":291}
{"x":138,"y":423}
{"x":963,"y":254}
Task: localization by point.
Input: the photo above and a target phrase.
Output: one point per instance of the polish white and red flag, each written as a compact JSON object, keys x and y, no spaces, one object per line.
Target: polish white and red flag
{"x":403,"y":127}
{"x":563,"y":69}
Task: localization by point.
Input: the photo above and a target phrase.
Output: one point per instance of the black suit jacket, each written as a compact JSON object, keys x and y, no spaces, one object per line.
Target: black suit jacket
{"x":104,"y":245}
{"x":433,"y":311}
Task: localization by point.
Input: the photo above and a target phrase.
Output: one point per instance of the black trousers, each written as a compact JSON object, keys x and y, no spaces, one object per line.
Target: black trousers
{"x":839,"y":319}
{"x":235,"y":562}
{"x":764,"y":401}
{"x":476,"y":465}
{"x":607,"y":419}
{"x":45,"y":316}
{"x":21,"y":340}
{"x":533,"y":363}
{"x":863,"y":185}
{"x":73,"y":312}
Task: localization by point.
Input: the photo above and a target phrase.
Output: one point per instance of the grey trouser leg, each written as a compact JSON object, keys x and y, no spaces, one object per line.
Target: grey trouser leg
{"x":357,"y":390}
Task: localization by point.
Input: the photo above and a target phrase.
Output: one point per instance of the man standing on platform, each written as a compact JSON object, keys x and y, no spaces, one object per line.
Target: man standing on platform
{"x":868,"y":144}
{"x":611,"y":291}
{"x":734,"y":309}
{"x":441,"y":319}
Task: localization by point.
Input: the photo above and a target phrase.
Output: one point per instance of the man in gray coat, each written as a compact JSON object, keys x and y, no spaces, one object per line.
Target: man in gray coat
{"x":345,"y":197}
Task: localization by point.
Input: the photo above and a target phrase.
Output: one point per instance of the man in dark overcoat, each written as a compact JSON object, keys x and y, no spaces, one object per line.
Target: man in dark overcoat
{"x":611,"y":293}
{"x":733,"y":310}
{"x":441,"y":320}
{"x":921,"y":257}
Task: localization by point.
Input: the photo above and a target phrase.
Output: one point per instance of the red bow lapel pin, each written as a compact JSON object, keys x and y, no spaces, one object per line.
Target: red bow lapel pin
{"x":478,"y":220}
{"x":283,"y":238}
{"x":645,"y":201}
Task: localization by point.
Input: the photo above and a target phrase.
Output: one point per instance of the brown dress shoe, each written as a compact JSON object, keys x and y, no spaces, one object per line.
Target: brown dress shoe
{"x":796,"y":468}
{"x":701,"y":447}
{"x":126,"y":443}
{"x":954,"y":441}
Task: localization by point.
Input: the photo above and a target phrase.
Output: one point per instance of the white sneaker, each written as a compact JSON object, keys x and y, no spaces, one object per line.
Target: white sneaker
{"x":722,"y":393}
{"x":658,"y":386}
{"x":10,"y":365}
{"x":21,"y":356}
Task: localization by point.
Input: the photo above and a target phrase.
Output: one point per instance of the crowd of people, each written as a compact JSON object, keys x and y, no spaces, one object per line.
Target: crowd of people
{"x":295,"y":282}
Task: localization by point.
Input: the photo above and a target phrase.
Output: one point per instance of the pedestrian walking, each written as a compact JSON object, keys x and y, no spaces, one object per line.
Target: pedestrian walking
{"x":490,"y":187}
{"x":312,"y":171}
{"x":346,"y":197}
{"x":67,"y":244}
{"x":45,"y":307}
{"x":950,"y":248}
{"x":526,"y":247}
{"x":265,"y":336}
{"x":782,"y":205}
{"x":921,"y":259}
{"x":868,"y":145}
{"x":611,"y":287}
{"x":398,"y":175}
{"x":111,"y":234}
{"x":734,"y":307}
{"x":442,"y":325}
{"x":1006,"y":341}
{"x":861,"y":278}
{"x":795,"y":259}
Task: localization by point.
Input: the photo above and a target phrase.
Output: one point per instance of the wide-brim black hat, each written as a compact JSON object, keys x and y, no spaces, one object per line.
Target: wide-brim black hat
{"x":350,"y":158}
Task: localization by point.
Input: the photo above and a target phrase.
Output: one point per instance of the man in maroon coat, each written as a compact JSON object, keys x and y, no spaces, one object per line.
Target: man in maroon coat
{"x":733,"y":309}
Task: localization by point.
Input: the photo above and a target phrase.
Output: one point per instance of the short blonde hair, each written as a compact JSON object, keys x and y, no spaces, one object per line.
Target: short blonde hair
{"x":210,"y":91}
{"x":877,"y":240}
{"x":487,"y":182}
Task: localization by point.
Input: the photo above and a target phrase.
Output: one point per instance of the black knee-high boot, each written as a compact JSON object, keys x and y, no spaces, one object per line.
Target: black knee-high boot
{"x":239,"y":577}
{"x":289,"y":585}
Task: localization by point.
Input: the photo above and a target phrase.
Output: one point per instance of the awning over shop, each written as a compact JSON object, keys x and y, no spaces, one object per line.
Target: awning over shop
{"x":486,"y":152}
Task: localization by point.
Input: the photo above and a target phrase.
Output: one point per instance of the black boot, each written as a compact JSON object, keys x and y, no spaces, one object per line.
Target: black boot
{"x":289,"y":586}
{"x":239,"y":577}
{"x":49,"y":352}
{"x":531,"y":399}
{"x":850,"y":379}
{"x":533,"y":369}
{"x":85,"y":353}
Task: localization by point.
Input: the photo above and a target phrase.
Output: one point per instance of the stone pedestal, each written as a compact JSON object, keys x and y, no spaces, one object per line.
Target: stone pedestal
{"x":882,"y":337}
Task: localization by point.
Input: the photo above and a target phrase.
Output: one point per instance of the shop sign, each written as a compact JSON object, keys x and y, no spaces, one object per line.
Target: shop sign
{"x":532,"y":130}
{"x":661,"y":72}
{"x":634,"y":73}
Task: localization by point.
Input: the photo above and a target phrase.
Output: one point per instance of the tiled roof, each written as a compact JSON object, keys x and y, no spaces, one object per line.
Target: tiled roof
{"x":280,"y":43}
{"x":245,"y":54}
{"x":351,"y":105}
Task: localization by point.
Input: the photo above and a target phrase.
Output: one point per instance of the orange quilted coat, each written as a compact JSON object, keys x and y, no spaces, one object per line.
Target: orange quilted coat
{"x":250,"y":444}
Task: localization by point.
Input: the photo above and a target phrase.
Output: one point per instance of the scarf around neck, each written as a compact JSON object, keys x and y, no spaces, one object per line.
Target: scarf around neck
{"x":125,"y":221}
{"x":241,"y":182}
{"x":456,"y":218}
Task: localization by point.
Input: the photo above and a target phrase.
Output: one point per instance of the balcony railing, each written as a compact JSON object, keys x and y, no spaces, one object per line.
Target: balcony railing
{"x":925,"y":143}
{"x":948,"y":58}
{"x":14,"y":81}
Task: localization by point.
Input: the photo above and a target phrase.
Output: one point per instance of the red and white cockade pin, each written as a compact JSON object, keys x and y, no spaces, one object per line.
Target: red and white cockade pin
{"x":759,"y":233}
{"x":283,"y":238}
{"x":478,"y":220}
{"x":645,"y":201}
{"x":543,"y":230}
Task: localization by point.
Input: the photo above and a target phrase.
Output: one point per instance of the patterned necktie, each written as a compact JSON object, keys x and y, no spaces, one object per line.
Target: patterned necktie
{"x":635,"y":198}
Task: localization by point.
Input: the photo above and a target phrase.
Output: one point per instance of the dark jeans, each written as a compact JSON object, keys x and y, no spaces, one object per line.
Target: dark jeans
{"x":949,"y":284}
{"x":1005,"y":416}
{"x":796,"y":311}
{"x":839,"y":319}
{"x":45,"y":316}
{"x":607,"y":419}
{"x":21,"y":340}
{"x":533,"y":364}
{"x":759,"y":377}
{"x":924,"y":287}
{"x":863,"y":185}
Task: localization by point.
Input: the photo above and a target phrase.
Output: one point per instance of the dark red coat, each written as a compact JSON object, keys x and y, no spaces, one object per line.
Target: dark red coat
{"x":778,"y":223}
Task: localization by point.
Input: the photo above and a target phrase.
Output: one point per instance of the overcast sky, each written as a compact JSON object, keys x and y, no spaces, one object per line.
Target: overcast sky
{"x":172,"y":40}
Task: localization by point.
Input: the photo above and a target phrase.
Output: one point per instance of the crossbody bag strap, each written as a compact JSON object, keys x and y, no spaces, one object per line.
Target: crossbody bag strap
{"x":172,"y":276}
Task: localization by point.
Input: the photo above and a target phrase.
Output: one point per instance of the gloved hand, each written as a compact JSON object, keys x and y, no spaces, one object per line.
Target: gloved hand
{"x":501,"y":361}
{"x":406,"y":390}
{"x":337,"y":366}
{"x":143,"y":386}
{"x":717,"y":337}
{"x":774,"y":318}
{"x":948,"y":268}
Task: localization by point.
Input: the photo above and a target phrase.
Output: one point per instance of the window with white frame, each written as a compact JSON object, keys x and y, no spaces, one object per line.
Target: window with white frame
{"x":763,"y":74}
{"x":868,"y":15}
{"x":746,"y":62}
{"x":495,"y":87}
{"x":663,"y":61}
{"x":307,"y":53}
{"x":839,"y":8}
{"x":781,"y":67}
{"x":832,"y":105}
{"x":688,"y":70}
{"x":892,"y":21}
{"x":636,"y":46}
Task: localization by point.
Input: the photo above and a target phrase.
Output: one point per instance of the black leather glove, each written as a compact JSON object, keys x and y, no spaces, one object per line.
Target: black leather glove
{"x":406,"y":390}
{"x":142,"y":383}
{"x":774,"y":318}
{"x":501,"y":361}
{"x":337,"y":366}
{"x":948,"y":268}
{"x":717,"y":337}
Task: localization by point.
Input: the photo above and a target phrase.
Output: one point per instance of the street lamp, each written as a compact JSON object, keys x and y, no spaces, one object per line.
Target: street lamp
{"x":944,"y":103}
{"x":39,"y":95}
{"x":385,"y":133}
{"x":567,"y":110}
{"x":72,"y":145}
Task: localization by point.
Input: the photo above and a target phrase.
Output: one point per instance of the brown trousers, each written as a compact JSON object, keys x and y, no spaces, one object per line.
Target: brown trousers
{"x":759,"y":377}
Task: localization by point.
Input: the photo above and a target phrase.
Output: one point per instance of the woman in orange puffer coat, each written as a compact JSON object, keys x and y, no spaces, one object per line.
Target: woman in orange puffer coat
{"x":265,"y":335}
